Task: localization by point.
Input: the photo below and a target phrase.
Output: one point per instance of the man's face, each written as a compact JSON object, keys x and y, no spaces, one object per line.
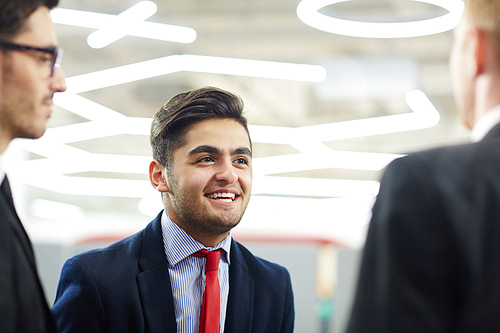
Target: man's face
{"x":211,"y":178}
{"x":462,"y":72}
{"x":26,"y":87}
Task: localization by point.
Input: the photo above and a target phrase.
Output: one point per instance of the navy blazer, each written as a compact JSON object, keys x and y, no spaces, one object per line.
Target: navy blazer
{"x":23,"y":307}
{"x":126,"y":288}
{"x":431,"y":262}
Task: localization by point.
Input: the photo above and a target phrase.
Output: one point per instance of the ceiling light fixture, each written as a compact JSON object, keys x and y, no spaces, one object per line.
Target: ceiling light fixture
{"x":122,"y":24}
{"x":86,"y":108}
{"x":314,"y":154}
{"x":314,"y":187}
{"x":151,"y":30}
{"x":194,"y":63}
{"x":349,"y":160}
{"x":307,"y":11}
{"x":424,"y":115}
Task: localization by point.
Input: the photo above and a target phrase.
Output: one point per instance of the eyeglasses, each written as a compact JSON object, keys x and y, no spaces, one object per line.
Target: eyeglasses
{"x":56,"y":52}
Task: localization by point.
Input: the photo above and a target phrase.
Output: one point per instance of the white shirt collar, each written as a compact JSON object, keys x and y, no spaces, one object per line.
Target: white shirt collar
{"x":179,"y":245}
{"x":485,"y":124}
{"x":2,"y":171}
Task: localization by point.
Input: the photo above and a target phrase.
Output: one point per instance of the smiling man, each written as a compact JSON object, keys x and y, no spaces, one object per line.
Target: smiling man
{"x":184,"y":272}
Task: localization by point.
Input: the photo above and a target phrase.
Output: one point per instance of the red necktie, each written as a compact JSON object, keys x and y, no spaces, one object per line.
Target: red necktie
{"x":210,"y":306}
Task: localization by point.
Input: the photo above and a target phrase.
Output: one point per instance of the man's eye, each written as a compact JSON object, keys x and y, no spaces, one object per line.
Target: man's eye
{"x":205,"y":159}
{"x":46,"y":59}
{"x":241,"y":161}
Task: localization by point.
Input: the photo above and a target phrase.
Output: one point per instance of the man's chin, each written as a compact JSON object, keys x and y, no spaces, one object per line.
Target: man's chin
{"x":33,"y":134}
{"x":225,"y":225}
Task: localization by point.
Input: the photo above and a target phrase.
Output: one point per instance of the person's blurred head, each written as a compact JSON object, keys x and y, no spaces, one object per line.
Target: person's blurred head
{"x":475,"y":55}
{"x":14,"y":13}
{"x":29,"y":76}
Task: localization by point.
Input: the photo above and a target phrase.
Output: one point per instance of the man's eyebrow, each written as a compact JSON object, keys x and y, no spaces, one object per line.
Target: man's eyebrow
{"x":242,"y":151}
{"x":216,"y":151}
{"x":205,"y":149}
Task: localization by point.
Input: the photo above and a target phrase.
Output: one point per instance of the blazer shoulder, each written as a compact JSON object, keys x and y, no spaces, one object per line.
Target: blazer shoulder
{"x":454,"y":161}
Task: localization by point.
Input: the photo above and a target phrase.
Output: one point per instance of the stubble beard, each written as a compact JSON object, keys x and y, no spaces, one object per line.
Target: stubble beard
{"x":197,"y":220}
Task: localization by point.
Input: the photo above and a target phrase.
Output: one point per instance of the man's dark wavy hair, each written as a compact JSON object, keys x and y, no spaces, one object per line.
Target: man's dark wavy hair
{"x":13,"y":14}
{"x":174,"y":119}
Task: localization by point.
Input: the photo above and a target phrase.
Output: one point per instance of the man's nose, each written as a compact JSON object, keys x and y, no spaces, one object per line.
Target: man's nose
{"x":58,"y":81}
{"x":226,"y":172}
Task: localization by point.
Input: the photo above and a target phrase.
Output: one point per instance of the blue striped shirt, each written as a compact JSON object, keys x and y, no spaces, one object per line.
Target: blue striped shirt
{"x":187,"y":275}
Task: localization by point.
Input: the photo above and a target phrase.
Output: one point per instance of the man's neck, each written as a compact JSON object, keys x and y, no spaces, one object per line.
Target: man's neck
{"x":5,"y":139}
{"x":4,"y":143}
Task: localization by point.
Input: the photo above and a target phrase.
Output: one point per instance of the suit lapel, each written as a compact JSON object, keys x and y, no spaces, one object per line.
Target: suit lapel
{"x":154,"y":282}
{"x":9,"y":215}
{"x":241,"y":290}
{"x":5,"y":189}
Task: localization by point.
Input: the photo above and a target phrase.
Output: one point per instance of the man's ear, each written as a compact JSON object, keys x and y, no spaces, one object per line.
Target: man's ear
{"x":482,"y":48}
{"x":158,"y":176}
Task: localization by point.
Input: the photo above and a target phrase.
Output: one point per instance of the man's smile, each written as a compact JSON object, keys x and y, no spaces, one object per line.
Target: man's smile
{"x":221,"y":196}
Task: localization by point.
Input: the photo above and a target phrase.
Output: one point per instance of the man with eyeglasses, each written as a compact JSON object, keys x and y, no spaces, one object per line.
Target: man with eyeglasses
{"x":29,"y":77}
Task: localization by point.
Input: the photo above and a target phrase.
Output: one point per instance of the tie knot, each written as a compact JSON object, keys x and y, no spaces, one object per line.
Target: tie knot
{"x":213,"y":258}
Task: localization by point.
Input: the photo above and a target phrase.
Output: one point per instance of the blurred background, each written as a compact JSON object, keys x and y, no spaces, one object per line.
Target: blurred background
{"x":330,"y":100}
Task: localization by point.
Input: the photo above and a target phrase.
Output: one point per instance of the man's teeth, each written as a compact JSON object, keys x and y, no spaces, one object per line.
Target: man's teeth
{"x":227,"y":197}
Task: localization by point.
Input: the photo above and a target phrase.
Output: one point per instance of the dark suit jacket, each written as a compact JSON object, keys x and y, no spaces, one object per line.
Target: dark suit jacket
{"x":431,"y":262}
{"x":126,"y":288}
{"x":23,"y":308}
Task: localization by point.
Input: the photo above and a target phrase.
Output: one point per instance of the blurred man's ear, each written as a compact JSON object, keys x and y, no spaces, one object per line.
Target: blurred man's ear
{"x":482,"y":48}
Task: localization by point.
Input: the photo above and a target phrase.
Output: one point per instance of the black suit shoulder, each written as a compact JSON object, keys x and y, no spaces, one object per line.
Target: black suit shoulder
{"x":431,"y":253}
{"x":23,"y":307}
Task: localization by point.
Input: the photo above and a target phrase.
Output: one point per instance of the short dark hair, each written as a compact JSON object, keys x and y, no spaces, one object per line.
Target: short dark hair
{"x":174,"y":119}
{"x":13,"y":14}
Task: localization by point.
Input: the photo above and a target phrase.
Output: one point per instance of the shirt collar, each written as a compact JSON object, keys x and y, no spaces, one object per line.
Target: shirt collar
{"x":180,"y":245}
{"x":485,"y":124}
{"x":2,"y":171}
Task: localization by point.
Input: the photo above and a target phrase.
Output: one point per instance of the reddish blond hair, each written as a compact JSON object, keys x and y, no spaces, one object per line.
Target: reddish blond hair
{"x":485,"y":15}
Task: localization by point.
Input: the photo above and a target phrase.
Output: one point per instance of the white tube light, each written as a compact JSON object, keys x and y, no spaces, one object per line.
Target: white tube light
{"x":49,"y":148}
{"x":83,"y":131}
{"x":424,"y":115}
{"x":151,"y":30}
{"x":194,"y":63}
{"x":112,"y":163}
{"x":122,"y":24}
{"x":420,"y":104}
{"x":254,"y":68}
{"x":333,"y":159}
{"x":314,"y":187}
{"x":307,"y":11}
{"x":86,"y":108}
{"x":105,"y":187}
{"x":124,"y":74}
